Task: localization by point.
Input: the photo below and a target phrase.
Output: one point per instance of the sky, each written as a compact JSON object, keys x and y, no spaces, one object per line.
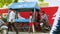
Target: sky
{"x":53,"y":2}
{"x":27,"y":0}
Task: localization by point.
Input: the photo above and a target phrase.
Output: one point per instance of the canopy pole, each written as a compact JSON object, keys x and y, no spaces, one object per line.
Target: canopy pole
{"x":33,"y":21}
{"x":39,"y":16}
{"x":34,"y":13}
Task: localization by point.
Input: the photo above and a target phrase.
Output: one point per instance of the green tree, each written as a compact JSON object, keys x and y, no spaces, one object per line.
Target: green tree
{"x":1,"y":3}
{"x":15,"y":0}
{"x":40,"y":0}
{"x":7,"y":2}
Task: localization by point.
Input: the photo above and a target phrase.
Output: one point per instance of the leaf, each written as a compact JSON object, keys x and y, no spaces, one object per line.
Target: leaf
{"x":15,"y":0}
{"x":7,"y":2}
{"x":41,"y":0}
{"x":1,"y":5}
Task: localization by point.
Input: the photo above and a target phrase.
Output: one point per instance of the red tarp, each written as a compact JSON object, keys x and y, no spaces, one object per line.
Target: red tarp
{"x":48,"y":10}
{"x":3,"y":11}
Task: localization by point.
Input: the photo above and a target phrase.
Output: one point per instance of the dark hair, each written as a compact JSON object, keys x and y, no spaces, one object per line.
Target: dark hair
{"x":31,"y":13}
{"x":10,"y":9}
{"x":43,"y":12}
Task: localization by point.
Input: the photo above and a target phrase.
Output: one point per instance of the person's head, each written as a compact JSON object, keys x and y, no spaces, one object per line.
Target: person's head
{"x":42,"y":12}
{"x":31,"y":13}
{"x":11,"y":10}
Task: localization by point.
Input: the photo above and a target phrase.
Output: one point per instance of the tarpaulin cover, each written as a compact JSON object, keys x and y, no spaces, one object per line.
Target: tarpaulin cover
{"x":24,"y":5}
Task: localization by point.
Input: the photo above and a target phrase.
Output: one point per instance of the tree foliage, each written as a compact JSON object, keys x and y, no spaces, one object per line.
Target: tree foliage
{"x":41,"y":0}
{"x":1,"y":3}
{"x":7,"y":2}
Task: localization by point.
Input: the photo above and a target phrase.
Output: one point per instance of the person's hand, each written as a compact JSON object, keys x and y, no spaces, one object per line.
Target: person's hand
{"x":11,"y":20}
{"x":5,"y":24}
{"x":41,"y":20}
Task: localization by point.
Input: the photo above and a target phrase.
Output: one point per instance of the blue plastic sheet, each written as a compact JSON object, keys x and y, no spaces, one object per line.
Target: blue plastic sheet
{"x":21,"y":20}
{"x":24,"y":5}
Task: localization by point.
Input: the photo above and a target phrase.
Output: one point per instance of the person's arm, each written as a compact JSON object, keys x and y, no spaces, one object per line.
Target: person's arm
{"x":46,"y":17}
{"x":30,"y":18}
{"x":11,"y":20}
{"x":41,"y":18}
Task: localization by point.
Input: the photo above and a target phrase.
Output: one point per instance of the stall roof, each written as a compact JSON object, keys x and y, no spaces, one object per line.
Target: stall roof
{"x":24,"y":5}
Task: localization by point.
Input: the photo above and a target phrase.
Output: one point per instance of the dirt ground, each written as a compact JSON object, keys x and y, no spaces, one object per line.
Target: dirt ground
{"x":27,"y":33}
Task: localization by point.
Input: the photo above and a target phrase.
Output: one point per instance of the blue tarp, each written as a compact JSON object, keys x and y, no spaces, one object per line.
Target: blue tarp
{"x":21,"y":20}
{"x":27,"y":5}
{"x":24,"y":5}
